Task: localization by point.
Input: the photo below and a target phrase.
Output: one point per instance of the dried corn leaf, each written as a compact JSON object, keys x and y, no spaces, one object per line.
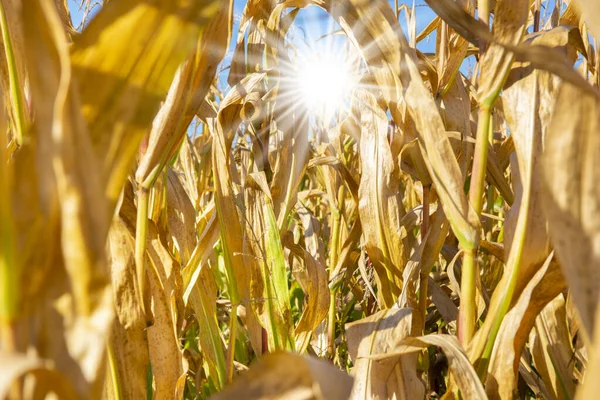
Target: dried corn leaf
{"x":181,"y":217}
{"x":263,"y":233}
{"x":187,"y":92}
{"x":551,"y":349}
{"x":457,"y":51}
{"x":292,"y":155}
{"x":571,"y":196}
{"x":380,"y":202}
{"x":316,"y":289}
{"x":166,"y":302}
{"x":540,"y":57}
{"x":591,"y":384}
{"x":127,"y":57}
{"x":544,"y":286}
{"x":71,"y":209}
{"x":379,"y":334}
{"x":373,"y":26}
{"x":48,"y":381}
{"x":458,"y":363}
{"x":289,"y":376}
{"x":510,"y":17}
{"x":528,"y":102}
{"x":591,"y":12}
{"x":228,"y":119}
{"x":128,"y":340}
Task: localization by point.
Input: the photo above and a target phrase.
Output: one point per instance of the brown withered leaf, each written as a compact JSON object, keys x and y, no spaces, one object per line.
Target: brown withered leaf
{"x":528,"y":101}
{"x":289,"y":376}
{"x":14,"y":366}
{"x":181,"y":217}
{"x":128,"y":340}
{"x":186,"y":94}
{"x":458,"y":363}
{"x":83,"y":210}
{"x":166,"y":301}
{"x":125,"y":60}
{"x":380,"y":202}
{"x":65,"y":16}
{"x":541,"y":57}
{"x":510,"y":17}
{"x":591,"y":384}
{"x":269,"y":280}
{"x":71,"y":211}
{"x":373,"y":26}
{"x":165,"y":286}
{"x":544,"y":286}
{"x":316,"y":290}
{"x":292,"y":153}
{"x":551,"y":349}
{"x":445,"y":305}
{"x":456,"y":52}
{"x":380,"y":334}
{"x":571,"y":197}
{"x":226,"y":203}
{"x":591,"y":12}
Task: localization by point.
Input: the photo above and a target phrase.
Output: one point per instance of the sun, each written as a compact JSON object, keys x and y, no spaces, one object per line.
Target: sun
{"x":323,"y":82}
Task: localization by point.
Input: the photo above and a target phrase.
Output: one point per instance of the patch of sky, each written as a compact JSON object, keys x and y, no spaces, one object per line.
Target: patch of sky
{"x":77,"y":10}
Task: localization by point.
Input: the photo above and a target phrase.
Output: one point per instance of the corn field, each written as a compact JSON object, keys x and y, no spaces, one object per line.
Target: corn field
{"x":371,"y":220}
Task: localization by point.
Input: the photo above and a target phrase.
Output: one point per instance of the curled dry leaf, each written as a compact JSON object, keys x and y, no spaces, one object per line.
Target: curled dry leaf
{"x":289,"y":376}
{"x":49,"y":381}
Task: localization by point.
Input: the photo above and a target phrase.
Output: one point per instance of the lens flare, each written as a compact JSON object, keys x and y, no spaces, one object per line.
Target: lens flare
{"x":323,"y":83}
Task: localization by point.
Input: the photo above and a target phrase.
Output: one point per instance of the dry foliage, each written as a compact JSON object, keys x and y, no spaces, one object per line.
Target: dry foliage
{"x":439,"y":237}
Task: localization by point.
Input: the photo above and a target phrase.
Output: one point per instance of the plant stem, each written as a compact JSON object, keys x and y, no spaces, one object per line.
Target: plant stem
{"x":141,"y":233}
{"x":483,"y":11}
{"x":467,"y":315}
{"x":113,"y":372}
{"x":333,"y":257}
{"x":13,"y":77}
{"x":423,"y":285}
{"x":231,"y":348}
{"x":480,"y":159}
{"x":9,"y":266}
{"x":468,"y":306}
